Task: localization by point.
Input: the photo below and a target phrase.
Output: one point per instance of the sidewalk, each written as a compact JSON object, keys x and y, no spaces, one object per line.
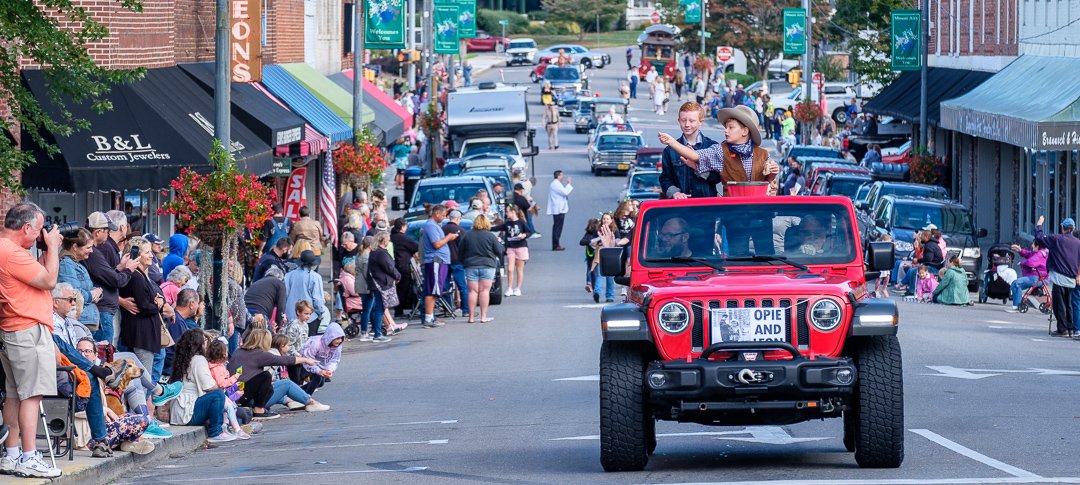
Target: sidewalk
{"x":87,"y":469}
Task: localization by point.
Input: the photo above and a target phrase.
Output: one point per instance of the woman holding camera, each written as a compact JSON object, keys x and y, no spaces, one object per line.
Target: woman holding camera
{"x":76,"y":247}
{"x":141,"y":332}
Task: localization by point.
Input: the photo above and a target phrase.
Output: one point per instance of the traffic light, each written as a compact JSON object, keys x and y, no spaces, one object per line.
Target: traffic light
{"x":793,"y":77}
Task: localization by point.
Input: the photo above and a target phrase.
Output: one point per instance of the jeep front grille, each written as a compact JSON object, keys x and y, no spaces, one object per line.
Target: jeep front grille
{"x":797,"y":325}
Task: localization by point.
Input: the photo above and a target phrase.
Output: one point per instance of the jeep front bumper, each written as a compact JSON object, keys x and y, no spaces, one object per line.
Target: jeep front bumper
{"x":748,"y":389}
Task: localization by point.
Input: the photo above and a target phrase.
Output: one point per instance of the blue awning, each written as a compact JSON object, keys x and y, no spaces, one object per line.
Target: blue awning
{"x":303,"y":103}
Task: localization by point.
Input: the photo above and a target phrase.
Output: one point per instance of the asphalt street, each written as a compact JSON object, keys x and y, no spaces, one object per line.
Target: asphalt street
{"x":989,"y":397}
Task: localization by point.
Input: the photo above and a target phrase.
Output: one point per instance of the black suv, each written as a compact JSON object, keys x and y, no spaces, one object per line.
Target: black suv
{"x":882,"y":188}
{"x":901,"y":217}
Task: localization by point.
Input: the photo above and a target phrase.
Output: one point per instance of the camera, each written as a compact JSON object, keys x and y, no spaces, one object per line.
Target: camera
{"x":67,"y":229}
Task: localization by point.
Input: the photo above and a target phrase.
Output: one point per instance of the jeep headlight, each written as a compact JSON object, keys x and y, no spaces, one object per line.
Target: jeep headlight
{"x":825,"y":315}
{"x":673,"y":317}
{"x":971,"y":253}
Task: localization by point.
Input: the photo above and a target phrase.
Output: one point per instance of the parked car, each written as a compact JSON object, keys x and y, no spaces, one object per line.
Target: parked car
{"x":642,"y":185}
{"x":578,"y":55}
{"x":521,"y":51}
{"x":888,"y":132}
{"x":841,"y":166}
{"x":880,"y":189}
{"x":799,"y":151}
{"x":485,"y":42}
{"x":614,"y":150}
{"x":901,"y":217}
{"x":846,"y":184}
{"x":435,"y":190}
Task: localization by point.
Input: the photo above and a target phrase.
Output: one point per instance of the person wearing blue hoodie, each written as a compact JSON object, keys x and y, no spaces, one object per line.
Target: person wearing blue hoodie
{"x":178,"y":248}
{"x":325,"y":350}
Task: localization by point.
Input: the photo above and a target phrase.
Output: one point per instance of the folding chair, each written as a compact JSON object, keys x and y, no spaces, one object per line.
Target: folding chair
{"x":58,"y":421}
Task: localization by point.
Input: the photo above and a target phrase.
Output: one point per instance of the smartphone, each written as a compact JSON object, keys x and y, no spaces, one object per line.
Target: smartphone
{"x":134,"y":252}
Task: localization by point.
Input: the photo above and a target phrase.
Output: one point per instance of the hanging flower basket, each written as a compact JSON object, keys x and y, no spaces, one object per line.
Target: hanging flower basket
{"x":807,"y":112}
{"x":356,"y":164}
{"x":219,"y":204}
{"x":926,"y":168}
{"x":430,"y":121}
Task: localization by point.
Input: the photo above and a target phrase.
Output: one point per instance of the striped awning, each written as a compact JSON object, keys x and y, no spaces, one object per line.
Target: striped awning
{"x":313,"y":142}
{"x":304,"y":103}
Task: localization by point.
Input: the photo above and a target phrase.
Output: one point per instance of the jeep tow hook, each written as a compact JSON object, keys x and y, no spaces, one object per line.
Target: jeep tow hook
{"x":747,"y":376}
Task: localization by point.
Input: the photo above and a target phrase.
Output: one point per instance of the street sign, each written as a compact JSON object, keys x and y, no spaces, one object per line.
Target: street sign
{"x":724,"y":53}
{"x":504,"y":22}
{"x":819,"y":80}
{"x":384,"y":24}
{"x":794,"y":31}
{"x":655,"y":17}
{"x":708,"y":35}
{"x":906,"y":42}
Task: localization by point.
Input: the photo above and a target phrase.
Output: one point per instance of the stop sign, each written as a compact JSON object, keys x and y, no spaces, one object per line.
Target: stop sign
{"x":724,"y":53}
{"x":655,"y":17}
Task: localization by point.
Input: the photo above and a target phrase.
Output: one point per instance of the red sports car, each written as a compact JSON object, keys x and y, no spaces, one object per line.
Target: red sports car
{"x":485,"y":42}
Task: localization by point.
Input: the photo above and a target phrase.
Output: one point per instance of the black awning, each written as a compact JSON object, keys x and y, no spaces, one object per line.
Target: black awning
{"x":190,"y":110}
{"x":901,"y":98}
{"x":272,"y":122}
{"x":386,"y":121}
{"x":132,"y":146}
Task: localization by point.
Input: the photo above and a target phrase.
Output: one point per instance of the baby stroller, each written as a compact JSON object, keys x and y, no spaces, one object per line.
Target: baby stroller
{"x":993,"y":286}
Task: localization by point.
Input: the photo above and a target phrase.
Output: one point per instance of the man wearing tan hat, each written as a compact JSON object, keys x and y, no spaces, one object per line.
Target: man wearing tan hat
{"x":739,"y":158}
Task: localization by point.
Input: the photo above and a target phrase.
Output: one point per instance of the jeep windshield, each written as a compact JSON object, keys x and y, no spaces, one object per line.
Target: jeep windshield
{"x":950,"y":220}
{"x":746,"y":235}
{"x":619,"y":142}
{"x":562,"y":74}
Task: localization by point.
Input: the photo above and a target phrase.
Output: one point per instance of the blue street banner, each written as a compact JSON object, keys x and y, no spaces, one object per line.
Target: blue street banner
{"x":906,"y":48}
{"x":446,"y":28}
{"x":794,"y":31}
{"x":466,"y":19}
{"x":384,"y":24}
{"x":693,"y":12}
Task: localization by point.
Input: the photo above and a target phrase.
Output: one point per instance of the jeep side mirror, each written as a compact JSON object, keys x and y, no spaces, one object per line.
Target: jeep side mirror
{"x":882,"y":256}
{"x":982,"y":233}
{"x":611,"y":263}
{"x":396,"y":204}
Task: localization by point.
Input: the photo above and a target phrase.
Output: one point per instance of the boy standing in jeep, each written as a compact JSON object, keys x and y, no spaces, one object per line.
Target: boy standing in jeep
{"x":677,"y":179}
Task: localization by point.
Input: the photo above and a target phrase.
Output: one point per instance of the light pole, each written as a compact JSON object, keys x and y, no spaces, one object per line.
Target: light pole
{"x":358,"y":74}
{"x":411,"y":42}
{"x":703,"y":27}
{"x":808,"y":63}
{"x":924,"y":37}
{"x":222,"y":131}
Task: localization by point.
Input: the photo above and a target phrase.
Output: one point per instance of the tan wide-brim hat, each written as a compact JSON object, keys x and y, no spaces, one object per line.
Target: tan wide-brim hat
{"x":747,"y":117}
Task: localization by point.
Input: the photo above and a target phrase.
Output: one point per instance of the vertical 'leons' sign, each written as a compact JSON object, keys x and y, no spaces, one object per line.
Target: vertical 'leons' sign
{"x":246,"y":42}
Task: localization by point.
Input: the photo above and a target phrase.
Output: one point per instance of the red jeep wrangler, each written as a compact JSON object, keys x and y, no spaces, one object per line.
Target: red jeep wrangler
{"x":747,"y":311}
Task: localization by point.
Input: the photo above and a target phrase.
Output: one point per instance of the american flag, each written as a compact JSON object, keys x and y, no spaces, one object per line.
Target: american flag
{"x":328,"y":198}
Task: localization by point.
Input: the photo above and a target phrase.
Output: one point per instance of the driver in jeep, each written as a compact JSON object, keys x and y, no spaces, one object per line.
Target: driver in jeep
{"x":674,"y":239}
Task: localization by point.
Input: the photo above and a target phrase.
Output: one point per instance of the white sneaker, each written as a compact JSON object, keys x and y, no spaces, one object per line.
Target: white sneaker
{"x":293,"y":405}
{"x":141,"y":447}
{"x":366,"y":337}
{"x":224,"y":437}
{"x":509,"y":292}
{"x":35,"y":467}
{"x":517,"y":292}
{"x":316,"y":407}
{"x":8,"y":464}
{"x":1012,"y":310}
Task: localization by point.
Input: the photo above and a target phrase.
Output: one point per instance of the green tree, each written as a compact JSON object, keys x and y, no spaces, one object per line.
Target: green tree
{"x":584,"y":12}
{"x":56,"y":34}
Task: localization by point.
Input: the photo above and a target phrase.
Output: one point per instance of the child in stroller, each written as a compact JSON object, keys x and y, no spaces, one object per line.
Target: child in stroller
{"x":998,"y":275}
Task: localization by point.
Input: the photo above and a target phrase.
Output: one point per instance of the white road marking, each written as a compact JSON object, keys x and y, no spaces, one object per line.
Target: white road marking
{"x":974,"y":455}
{"x":773,"y":435}
{"x":898,"y":481}
{"x":973,"y":374}
{"x":303,"y":474}
{"x":586,"y":305}
{"x":410,"y":423}
{"x":1001,"y":322}
{"x":579,"y":378}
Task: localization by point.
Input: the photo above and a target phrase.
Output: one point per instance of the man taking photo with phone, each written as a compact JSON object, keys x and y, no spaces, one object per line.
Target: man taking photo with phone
{"x":108,"y":270}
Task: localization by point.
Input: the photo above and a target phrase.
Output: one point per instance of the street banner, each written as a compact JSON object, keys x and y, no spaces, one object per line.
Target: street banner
{"x":693,"y":12}
{"x":794,"y":31}
{"x":246,"y":41}
{"x":384,"y":24}
{"x":466,"y":19}
{"x":446,"y":28}
{"x":906,"y":50}
{"x":295,"y":196}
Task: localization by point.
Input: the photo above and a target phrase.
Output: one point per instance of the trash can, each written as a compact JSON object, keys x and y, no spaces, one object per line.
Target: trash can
{"x":412,"y":177}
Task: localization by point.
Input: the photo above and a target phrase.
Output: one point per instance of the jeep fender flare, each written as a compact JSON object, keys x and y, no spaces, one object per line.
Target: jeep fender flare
{"x":874,"y":317}
{"x":624,"y":322}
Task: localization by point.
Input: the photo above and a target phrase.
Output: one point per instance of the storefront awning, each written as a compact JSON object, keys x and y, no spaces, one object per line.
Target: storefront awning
{"x":157,"y":125}
{"x":900,"y":99}
{"x":273,"y":123}
{"x":304,"y":103}
{"x":1028,"y":104}
{"x":390,"y":118}
{"x":335,"y":98}
{"x":313,"y":142}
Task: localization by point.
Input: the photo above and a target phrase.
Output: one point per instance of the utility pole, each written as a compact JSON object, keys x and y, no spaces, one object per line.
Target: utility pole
{"x":924,"y":37}
{"x":410,"y":43}
{"x":808,"y":64}
{"x":222,"y":131}
{"x":703,"y":12}
{"x":358,"y":73}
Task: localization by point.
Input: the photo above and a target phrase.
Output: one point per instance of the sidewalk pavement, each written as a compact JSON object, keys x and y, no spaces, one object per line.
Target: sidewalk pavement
{"x":87,"y":469}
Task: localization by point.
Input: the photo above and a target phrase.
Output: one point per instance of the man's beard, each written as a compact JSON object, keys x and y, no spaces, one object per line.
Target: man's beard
{"x":71,"y":314}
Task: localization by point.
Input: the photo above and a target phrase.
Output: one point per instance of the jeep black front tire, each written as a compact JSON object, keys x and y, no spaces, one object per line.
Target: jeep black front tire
{"x":624,"y":418}
{"x":879,"y":403}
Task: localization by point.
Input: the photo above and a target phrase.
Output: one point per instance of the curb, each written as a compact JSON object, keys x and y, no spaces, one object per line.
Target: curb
{"x":85,"y":469}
